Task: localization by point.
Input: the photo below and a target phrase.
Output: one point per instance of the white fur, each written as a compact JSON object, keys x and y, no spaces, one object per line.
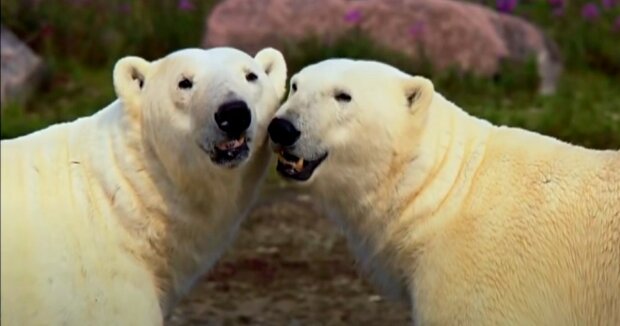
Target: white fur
{"x":472,"y":223}
{"x":110,"y":219}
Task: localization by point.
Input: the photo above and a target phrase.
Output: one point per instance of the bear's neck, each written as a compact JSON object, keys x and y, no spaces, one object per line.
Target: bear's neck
{"x":387,"y":208}
{"x":176,"y":231}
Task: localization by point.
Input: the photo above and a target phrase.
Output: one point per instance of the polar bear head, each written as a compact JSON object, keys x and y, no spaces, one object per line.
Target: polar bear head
{"x":198,"y":106}
{"x":343,"y":113}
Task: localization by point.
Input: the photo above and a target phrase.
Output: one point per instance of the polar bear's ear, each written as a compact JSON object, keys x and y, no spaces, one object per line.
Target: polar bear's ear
{"x":129,"y":77}
{"x":272,"y":62}
{"x":419,"y":92}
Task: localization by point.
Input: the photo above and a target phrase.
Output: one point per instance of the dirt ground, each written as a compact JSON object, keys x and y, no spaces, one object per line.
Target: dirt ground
{"x":289,"y":266}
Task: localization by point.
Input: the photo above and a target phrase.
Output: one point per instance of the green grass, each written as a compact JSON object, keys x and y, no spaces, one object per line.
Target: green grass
{"x":585,"y":110}
{"x":74,"y":90}
{"x":81,"y":51}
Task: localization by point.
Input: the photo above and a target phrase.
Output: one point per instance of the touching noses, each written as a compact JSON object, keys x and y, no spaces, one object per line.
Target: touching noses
{"x":282,"y":132}
{"x":233,"y":118}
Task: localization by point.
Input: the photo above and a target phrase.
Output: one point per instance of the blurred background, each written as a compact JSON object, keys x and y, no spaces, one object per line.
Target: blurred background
{"x":552,"y":66}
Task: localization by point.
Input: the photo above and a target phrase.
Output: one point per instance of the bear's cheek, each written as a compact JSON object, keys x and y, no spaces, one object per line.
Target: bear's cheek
{"x":182,"y":101}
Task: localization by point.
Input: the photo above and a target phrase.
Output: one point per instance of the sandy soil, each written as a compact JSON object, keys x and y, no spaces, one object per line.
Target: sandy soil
{"x":289,"y":266}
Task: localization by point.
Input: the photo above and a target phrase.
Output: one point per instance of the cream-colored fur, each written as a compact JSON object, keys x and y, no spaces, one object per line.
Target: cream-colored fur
{"x":472,"y":223}
{"x":109,"y":220}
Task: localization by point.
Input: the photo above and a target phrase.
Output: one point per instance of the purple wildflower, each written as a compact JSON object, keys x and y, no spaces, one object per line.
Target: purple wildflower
{"x":590,"y":11}
{"x":79,"y":3}
{"x":125,"y":8}
{"x":353,"y":16}
{"x":416,"y":29}
{"x":607,"y":4}
{"x":506,"y":5}
{"x":558,"y":12}
{"x":557,"y":3}
{"x":47,"y":30}
{"x":185,"y":5}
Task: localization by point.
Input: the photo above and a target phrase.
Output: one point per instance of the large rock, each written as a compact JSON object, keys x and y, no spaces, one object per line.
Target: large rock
{"x":466,"y":36}
{"x":22,"y":69}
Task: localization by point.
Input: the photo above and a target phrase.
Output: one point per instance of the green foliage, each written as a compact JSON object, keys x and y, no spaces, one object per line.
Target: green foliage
{"x":81,"y":39}
{"x":75,"y":90}
{"x":97,"y":32}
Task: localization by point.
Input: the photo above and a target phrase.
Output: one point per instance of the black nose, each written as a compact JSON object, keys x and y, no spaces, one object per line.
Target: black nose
{"x":283,"y":132}
{"x":233,"y":118}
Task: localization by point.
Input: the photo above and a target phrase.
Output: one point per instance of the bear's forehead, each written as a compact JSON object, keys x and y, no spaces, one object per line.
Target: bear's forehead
{"x":211,"y":57}
{"x":347,"y":72}
{"x":345,"y":68}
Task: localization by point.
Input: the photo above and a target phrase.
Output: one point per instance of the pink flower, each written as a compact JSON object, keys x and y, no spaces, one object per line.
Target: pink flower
{"x":416,"y":29}
{"x":353,"y":16}
{"x":590,"y":11}
{"x":557,"y":3}
{"x":125,"y":8}
{"x":186,"y":5}
{"x":506,"y":5}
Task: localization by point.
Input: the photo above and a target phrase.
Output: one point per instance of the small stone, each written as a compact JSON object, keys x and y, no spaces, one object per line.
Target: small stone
{"x":374,"y":298}
{"x":22,"y":69}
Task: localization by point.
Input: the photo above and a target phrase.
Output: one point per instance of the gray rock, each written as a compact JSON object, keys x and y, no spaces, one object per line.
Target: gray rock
{"x":22,"y":69}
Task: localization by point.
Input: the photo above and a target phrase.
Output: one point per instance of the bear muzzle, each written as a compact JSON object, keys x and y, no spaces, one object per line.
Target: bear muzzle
{"x":282,"y":132}
{"x":233,"y":118}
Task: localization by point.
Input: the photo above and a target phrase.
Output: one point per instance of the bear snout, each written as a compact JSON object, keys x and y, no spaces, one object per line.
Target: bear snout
{"x":233,"y":118}
{"x":283,"y":132}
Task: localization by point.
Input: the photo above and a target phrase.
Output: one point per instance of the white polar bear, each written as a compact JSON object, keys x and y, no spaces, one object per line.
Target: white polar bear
{"x":108,"y":220}
{"x":472,"y":223}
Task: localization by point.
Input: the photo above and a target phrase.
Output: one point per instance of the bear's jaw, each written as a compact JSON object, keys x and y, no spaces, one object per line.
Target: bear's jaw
{"x":231,"y":144}
{"x":229,"y":153}
{"x":297,"y":168}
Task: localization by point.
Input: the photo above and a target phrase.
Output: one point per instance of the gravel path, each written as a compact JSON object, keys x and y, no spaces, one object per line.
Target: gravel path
{"x":289,"y":266}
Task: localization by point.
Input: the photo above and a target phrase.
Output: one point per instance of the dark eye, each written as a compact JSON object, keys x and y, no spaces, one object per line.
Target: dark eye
{"x":185,"y":84}
{"x":251,"y":77}
{"x":294,"y":87}
{"x":343,"y":97}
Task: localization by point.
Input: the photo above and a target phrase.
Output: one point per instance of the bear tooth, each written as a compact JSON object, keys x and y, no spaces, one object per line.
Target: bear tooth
{"x":299,"y":165}
{"x":283,"y":160}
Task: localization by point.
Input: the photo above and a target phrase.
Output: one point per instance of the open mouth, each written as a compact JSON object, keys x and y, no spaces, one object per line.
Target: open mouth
{"x":296,"y":168}
{"x":231,"y":152}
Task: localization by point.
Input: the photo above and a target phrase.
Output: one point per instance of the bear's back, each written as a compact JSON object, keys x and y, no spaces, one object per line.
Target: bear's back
{"x":60,"y":261}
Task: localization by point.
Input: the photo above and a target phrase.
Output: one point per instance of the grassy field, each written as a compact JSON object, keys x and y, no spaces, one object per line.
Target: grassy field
{"x":80,"y":53}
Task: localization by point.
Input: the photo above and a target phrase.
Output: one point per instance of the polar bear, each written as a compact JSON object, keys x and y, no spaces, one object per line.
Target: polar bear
{"x":110,"y":219}
{"x":471,"y":223}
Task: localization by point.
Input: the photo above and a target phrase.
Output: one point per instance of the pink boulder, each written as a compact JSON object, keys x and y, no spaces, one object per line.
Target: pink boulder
{"x":466,"y":36}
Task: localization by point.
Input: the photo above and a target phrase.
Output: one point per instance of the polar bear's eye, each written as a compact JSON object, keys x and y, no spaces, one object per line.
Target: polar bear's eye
{"x":343,"y":97}
{"x":294,"y":87}
{"x":185,"y":84}
{"x":251,"y":77}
